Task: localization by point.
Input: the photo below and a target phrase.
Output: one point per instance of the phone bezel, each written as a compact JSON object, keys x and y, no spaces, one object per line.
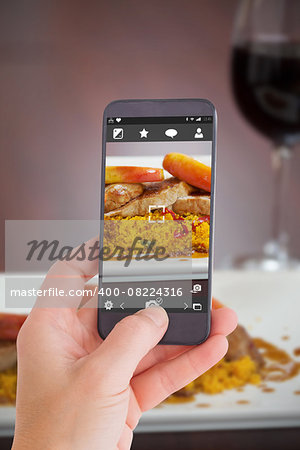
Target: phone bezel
{"x":183,"y":327}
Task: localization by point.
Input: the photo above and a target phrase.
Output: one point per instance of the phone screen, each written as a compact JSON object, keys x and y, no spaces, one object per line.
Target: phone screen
{"x":157,"y":214}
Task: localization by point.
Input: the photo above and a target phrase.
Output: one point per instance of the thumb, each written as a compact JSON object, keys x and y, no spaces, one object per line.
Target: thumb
{"x":129,"y":341}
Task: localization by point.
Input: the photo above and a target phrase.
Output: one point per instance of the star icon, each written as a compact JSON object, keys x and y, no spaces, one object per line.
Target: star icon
{"x":144,"y":133}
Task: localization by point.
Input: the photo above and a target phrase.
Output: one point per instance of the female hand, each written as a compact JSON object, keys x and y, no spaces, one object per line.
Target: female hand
{"x":76,"y":391}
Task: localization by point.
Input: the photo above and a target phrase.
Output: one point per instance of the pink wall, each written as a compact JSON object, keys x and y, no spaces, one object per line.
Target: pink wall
{"x":62,"y":63}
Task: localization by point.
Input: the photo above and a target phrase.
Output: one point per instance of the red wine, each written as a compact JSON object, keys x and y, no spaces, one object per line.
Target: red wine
{"x":266,"y":86}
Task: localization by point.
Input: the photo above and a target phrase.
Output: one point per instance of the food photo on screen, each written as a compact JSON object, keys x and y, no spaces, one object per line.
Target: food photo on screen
{"x":198,"y":218}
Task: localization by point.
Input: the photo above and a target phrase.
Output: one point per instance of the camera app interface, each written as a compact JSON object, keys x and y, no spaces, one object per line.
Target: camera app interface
{"x":157,"y":214}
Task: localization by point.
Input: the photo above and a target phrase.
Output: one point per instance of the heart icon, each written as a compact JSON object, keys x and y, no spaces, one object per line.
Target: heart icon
{"x":118,"y":119}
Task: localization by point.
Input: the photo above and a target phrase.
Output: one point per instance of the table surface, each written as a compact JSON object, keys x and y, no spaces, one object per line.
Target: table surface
{"x":287,"y":438}
{"x":218,"y":440}
{"x":279,"y":439}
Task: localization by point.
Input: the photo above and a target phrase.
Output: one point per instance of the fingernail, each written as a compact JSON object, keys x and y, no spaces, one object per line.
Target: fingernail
{"x":157,"y":314}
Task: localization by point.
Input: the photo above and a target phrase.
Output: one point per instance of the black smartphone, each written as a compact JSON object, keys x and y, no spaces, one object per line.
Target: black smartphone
{"x":157,"y":214}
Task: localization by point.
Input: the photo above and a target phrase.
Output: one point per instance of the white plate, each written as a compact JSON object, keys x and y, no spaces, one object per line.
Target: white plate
{"x":269,"y":306}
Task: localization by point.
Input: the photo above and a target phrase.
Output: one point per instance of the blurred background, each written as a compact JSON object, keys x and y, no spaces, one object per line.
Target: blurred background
{"x":63,"y":61}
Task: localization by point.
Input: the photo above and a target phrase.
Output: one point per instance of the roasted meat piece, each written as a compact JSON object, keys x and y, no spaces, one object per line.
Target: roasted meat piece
{"x":241,"y":344}
{"x":193,"y":204}
{"x":8,"y":354}
{"x":118,"y":194}
{"x":155,"y":194}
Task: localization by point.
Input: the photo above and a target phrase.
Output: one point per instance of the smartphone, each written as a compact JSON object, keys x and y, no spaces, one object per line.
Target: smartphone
{"x":157,"y":214}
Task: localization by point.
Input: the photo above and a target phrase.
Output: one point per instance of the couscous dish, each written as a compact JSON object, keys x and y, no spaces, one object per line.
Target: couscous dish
{"x":190,"y":231}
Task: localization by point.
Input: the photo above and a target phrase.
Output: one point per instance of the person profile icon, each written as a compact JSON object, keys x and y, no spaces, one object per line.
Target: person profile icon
{"x":198,"y":134}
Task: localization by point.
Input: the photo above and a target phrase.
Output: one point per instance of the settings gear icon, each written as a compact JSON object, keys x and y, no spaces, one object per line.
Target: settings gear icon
{"x":108,"y":304}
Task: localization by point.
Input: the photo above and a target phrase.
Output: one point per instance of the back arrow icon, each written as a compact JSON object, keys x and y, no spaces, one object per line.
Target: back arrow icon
{"x":121,"y":306}
{"x":185,"y":306}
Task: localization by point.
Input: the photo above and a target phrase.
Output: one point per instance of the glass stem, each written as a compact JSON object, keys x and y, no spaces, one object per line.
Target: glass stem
{"x":278,"y":247}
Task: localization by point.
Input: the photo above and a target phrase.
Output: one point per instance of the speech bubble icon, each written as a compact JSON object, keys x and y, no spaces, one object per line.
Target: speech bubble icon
{"x":171,"y":132}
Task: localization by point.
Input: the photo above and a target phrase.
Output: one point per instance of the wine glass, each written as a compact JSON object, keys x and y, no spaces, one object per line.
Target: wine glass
{"x":265,"y":74}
